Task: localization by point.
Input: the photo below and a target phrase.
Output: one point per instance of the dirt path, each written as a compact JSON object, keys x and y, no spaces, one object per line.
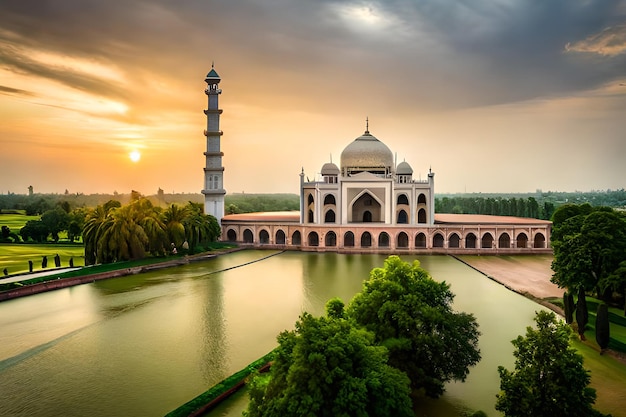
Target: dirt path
{"x":521,"y":273}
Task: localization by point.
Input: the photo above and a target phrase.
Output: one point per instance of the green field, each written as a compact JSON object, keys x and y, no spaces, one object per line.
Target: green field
{"x":16,"y":221}
{"x":15,"y":257}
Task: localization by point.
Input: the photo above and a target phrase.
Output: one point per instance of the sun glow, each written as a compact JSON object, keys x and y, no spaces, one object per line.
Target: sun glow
{"x":134,"y":156}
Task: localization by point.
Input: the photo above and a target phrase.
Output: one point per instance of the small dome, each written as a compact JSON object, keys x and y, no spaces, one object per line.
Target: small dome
{"x":366,"y":152}
{"x":404,"y":168}
{"x":330,"y":169}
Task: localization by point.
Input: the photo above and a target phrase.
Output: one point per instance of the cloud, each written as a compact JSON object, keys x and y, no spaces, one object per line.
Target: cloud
{"x":609,"y":42}
{"x":15,"y":91}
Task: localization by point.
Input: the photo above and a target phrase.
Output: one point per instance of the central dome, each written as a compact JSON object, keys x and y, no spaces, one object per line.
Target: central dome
{"x":366,"y":152}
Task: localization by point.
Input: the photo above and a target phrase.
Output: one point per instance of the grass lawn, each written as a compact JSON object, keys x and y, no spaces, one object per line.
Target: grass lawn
{"x":16,"y":221}
{"x":15,"y":257}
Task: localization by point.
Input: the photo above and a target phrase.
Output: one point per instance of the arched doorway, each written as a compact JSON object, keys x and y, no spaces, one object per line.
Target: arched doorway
{"x":454,"y":241}
{"x":366,"y":209}
{"x":383,"y":240}
{"x":329,"y":217}
{"x":421,"y":216}
{"x":522,"y":240}
{"x":504,"y":241}
{"x":487,"y":241}
{"x":231,"y":235}
{"x":420,"y":240}
{"x":330,"y":239}
{"x":264,"y":237}
{"x":403,"y":240}
{"x":348,"y":239}
{"x":314,"y":239}
{"x":438,"y":240}
{"x":367,"y":216}
{"x":470,"y":241}
{"x":403,"y":218}
{"x":366,"y":240}
{"x":280,"y":237}
{"x":540,"y":241}
{"x":248,"y":237}
{"x":296,"y":238}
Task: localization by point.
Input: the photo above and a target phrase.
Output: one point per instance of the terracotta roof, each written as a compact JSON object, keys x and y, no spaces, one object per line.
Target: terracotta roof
{"x":268,"y":216}
{"x":484,"y":219}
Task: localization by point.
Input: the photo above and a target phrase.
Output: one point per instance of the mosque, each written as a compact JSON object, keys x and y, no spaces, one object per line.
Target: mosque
{"x":369,"y":204}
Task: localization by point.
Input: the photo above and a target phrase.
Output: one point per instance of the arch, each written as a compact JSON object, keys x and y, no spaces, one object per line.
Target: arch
{"x":420,"y":240}
{"x":403,"y":218}
{"x":521,"y":241}
{"x":296,"y":238}
{"x":310,"y":199}
{"x":539,"y":241}
{"x":402,"y":240}
{"x":329,"y":199}
{"x":366,"y":202}
{"x":311,"y":216}
{"x":421,"y":199}
{"x":231,"y":235}
{"x":330,"y":239}
{"x":403,"y":199}
{"x":438,"y":240}
{"x":313,"y":239}
{"x":421,"y":216}
{"x":329,"y":217}
{"x":504,"y":241}
{"x":348,"y":239}
{"x":366,"y":240}
{"x":264,"y":237}
{"x":470,"y":241}
{"x":280,"y":237}
{"x":454,"y":241}
{"x":248,"y":236}
{"x":383,"y":240}
{"x":487,"y":241}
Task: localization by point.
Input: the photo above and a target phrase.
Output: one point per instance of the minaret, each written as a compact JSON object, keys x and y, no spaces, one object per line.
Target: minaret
{"x":214,"y":171}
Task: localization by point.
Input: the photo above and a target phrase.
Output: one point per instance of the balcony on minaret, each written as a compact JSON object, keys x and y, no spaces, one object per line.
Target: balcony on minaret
{"x":210,"y":90}
{"x":217,"y":133}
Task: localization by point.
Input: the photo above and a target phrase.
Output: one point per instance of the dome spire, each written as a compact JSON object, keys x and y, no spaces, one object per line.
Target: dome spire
{"x":367,"y":125}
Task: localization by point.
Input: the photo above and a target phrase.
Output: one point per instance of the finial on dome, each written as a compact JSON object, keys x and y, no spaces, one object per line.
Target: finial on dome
{"x":367,"y":125}
{"x":212,"y":64}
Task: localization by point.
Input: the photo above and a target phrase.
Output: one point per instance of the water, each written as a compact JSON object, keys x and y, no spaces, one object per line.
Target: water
{"x":145,"y":344}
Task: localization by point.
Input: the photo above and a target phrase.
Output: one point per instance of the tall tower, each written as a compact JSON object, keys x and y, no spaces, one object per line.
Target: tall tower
{"x":213,"y":171}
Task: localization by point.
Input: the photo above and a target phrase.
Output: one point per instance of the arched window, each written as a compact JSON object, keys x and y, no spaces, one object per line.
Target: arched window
{"x":421,"y":216}
{"x":366,"y":240}
{"x":296,"y":238}
{"x":403,"y":240}
{"x":264,"y":237}
{"x":420,"y":240}
{"x":310,"y":216}
{"x":421,"y":199}
{"x":438,"y":240}
{"x":383,"y":240}
{"x":470,"y":241}
{"x":216,"y":182}
{"x":330,"y":239}
{"x":402,"y":199}
{"x":487,"y":241}
{"x":367,"y":216}
{"x":280,"y":237}
{"x":540,"y":241}
{"x":231,"y":235}
{"x":403,"y":218}
{"x":522,"y":240}
{"x":330,"y":216}
{"x":329,"y":199}
{"x":348,"y":239}
{"x":310,"y":199}
{"x":504,"y":241}
{"x":314,"y":239}
{"x":454,"y":241}
{"x":248,"y":237}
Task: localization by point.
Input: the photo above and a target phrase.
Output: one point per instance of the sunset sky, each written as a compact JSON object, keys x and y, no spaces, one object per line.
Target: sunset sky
{"x":495,"y":96}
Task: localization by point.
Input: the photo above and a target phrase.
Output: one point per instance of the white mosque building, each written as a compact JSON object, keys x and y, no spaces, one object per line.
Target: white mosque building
{"x":368,"y":204}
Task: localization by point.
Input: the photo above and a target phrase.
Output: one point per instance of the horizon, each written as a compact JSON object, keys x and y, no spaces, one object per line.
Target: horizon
{"x":505,"y":96}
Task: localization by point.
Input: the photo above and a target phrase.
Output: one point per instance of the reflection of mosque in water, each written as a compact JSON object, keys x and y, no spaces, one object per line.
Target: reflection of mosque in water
{"x":370,"y":204}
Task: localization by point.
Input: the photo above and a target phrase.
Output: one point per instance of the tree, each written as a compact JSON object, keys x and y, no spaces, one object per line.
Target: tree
{"x":617,"y":282}
{"x":329,"y":367}
{"x":35,"y":230}
{"x":56,"y":220}
{"x":582,"y":313}
{"x":603,"y":331}
{"x":411,"y":315}
{"x":568,"y":307}
{"x":549,"y":379}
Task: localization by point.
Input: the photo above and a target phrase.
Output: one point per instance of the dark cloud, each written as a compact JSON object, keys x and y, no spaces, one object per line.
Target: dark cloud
{"x":15,"y":91}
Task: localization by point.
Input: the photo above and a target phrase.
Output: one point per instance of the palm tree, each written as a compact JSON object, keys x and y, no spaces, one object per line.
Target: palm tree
{"x":121,"y":237}
{"x":91,"y":229}
{"x":175,"y":218}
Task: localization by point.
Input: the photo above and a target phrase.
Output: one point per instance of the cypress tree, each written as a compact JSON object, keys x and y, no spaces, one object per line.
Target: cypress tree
{"x":603,"y":332}
{"x":582,"y":315}
{"x":568,"y":307}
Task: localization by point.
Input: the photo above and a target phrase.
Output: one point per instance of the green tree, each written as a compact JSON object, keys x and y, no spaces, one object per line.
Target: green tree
{"x":617,"y":282}
{"x":549,"y":379}
{"x":92,"y":230}
{"x":56,"y":220}
{"x":35,"y":230}
{"x":582,"y":313}
{"x":568,"y":307}
{"x":412,"y":316}
{"x":174,"y":217}
{"x":329,"y":367}
{"x":603,"y":330}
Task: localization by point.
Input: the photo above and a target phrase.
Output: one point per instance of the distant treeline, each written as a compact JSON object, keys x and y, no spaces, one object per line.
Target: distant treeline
{"x":250,"y":203}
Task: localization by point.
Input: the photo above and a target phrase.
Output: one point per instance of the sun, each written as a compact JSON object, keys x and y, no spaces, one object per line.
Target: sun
{"x":134,"y":156}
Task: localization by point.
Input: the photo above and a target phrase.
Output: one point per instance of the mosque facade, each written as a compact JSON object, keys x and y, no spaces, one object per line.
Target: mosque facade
{"x":371,"y":204}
